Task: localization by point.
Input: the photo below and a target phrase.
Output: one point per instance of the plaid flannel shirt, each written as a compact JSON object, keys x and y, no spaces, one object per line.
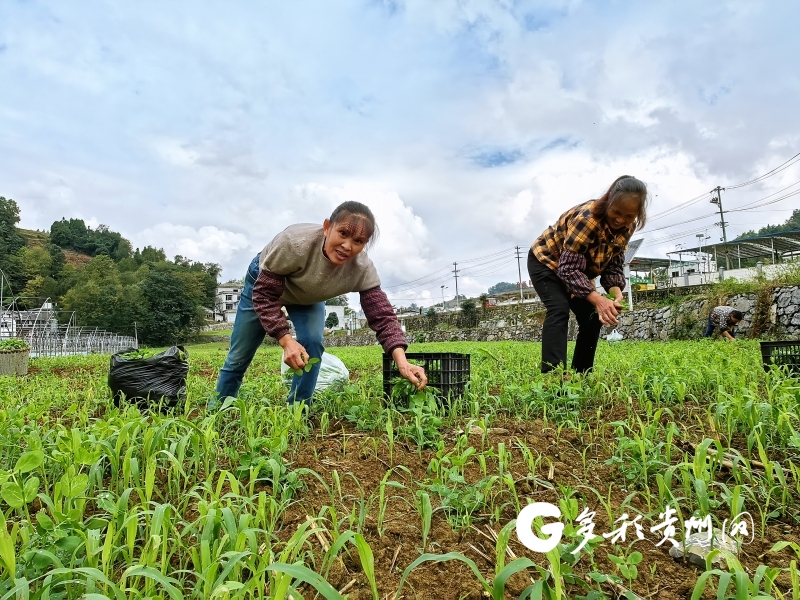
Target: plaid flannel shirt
{"x":579,"y":247}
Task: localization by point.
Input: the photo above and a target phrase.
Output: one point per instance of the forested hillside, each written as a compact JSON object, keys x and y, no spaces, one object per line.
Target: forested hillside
{"x":97,"y":274}
{"x":791,"y":224}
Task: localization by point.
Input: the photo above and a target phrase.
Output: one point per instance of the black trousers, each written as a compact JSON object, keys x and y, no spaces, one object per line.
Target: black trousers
{"x":557,"y":301}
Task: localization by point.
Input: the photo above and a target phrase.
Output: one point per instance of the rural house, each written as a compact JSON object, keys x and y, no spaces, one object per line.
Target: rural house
{"x":227,"y":301}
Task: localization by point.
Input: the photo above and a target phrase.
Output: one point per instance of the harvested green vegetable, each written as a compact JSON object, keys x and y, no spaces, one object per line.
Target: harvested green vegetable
{"x":138,"y":354}
{"x":13,"y":344}
{"x":622,"y":303}
{"x":142,"y":353}
{"x":311,"y":362}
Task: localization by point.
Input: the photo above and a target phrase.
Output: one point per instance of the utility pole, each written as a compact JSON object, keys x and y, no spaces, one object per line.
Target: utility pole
{"x":455,"y":274}
{"x":718,"y":201}
{"x":518,"y":253}
{"x":700,"y":253}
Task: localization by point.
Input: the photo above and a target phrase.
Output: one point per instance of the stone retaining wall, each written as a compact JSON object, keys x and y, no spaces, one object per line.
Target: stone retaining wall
{"x":511,"y":313}
{"x":772,"y":313}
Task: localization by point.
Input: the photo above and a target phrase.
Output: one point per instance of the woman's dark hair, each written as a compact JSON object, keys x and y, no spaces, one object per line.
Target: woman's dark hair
{"x":622,"y":187}
{"x":737,"y":314}
{"x":359,"y":215}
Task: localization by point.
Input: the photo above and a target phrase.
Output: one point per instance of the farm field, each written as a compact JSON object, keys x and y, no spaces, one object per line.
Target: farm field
{"x":364,"y":500}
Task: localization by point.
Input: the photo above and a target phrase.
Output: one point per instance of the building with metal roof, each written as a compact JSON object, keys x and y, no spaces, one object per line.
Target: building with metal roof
{"x":775,"y":246}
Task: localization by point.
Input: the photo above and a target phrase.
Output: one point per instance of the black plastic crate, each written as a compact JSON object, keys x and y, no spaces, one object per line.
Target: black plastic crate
{"x":448,"y":372}
{"x":782,"y":354}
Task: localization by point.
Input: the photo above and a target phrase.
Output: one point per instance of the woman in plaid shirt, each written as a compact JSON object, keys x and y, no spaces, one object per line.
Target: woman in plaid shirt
{"x":588,"y":240}
{"x":302,"y":267}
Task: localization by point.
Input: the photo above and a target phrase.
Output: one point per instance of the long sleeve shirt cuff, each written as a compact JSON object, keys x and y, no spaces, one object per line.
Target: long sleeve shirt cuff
{"x":267,"y":292}
{"x":570,"y":270}
{"x":382,"y":320}
{"x":613,"y":276}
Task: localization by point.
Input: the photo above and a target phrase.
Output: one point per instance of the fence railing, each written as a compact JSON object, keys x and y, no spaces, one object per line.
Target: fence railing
{"x":76,"y":341}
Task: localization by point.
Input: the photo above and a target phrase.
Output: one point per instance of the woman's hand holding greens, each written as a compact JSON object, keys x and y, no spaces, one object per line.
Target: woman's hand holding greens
{"x":607,"y":310}
{"x":294,"y":354}
{"x":414,"y":373}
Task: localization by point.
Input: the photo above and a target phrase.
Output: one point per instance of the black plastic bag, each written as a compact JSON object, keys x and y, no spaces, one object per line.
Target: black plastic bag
{"x":159,"y":380}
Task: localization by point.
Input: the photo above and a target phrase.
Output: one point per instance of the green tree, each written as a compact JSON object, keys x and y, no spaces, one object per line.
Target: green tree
{"x":70,"y":234}
{"x":10,"y":239}
{"x":36,"y":261}
{"x":11,"y":242}
{"x":503,"y":286}
{"x":469,"y":314}
{"x":41,"y":287}
{"x":73,"y":234}
{"x":57,"y":260}
{"x":483,"y":299}
{"x":792,"y":223}
{"x":170,"y":310}
{"x":100,"y":299}
{"x":332,"y":320}
{"x":150,"y":255}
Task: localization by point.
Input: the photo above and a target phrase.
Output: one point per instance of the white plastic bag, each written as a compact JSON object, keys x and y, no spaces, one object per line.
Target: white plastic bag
{"x":331,"y":370}
{"x":614,"y":336}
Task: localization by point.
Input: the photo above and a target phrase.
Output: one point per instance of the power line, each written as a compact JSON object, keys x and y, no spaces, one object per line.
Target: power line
{"x":678,"y":207}
{"x":419,"y":278}
{"x":775,"y":171}
{"x":746,"y":207}
{"x":782,"y":167}
{"x":750,"y":207}
{"x":489,"y":270}
{"x":676,"y":236}
{"x":676,"y":224}
{"x":504,"y":251}
{"x":772,"y":194}
{"x":488,"y":262}
{"x":438,"y":275}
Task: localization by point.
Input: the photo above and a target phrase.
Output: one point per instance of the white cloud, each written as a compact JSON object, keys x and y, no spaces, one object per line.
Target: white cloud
{"x":467,"y":125}
{"x":206,"y":244}
{"x":403,"y":247}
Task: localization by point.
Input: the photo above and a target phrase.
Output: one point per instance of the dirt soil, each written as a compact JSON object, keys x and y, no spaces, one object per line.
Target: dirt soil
{"x":349,"y":451}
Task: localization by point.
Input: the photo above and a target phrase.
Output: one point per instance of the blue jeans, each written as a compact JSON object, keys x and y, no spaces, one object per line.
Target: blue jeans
{"x":709,"y":328}
{"x":247,"y":335}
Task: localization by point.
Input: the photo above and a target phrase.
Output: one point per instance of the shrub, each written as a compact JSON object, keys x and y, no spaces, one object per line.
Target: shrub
{"x":433,"y":318}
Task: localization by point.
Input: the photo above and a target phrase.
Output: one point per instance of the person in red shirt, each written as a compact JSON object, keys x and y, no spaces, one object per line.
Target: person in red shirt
{"x":588,"y":240}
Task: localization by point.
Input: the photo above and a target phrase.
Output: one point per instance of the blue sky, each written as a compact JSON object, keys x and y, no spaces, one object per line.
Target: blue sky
{"x":205,"y":128}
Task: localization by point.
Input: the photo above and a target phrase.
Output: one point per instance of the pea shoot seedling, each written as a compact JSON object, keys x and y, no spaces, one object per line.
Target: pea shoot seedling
{"x":311,"y":362}
{"x":13,"y":344}
{"x":622,"y":302}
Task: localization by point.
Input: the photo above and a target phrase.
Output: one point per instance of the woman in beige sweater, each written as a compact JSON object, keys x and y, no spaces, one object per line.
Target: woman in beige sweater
{"x":301,"y":268}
